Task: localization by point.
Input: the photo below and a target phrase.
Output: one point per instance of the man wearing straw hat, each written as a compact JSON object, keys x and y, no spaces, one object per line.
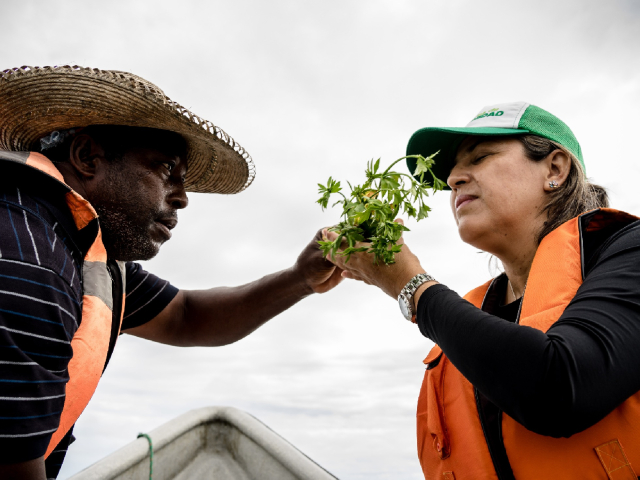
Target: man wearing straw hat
{"x":94,"y":166}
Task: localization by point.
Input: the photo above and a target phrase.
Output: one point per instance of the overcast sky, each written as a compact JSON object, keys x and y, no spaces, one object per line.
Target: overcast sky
{"x":313,"y":89}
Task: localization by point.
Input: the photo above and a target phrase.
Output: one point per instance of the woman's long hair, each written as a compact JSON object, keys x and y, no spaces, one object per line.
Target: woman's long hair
{"x":575,"y":196}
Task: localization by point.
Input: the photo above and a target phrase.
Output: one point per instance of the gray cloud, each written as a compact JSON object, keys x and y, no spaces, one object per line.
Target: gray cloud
{"x":314,"y":89}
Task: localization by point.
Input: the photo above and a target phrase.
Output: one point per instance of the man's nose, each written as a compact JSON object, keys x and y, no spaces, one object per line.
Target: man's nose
{"x":178,"y":198}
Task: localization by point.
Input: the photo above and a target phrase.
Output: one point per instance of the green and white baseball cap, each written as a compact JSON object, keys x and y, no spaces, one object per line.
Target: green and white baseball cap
{"x":516,"y":118}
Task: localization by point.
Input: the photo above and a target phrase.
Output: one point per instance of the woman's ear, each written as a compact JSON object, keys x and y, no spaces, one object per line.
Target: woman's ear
{"x":85,"y":156}
{"x":558,"y":165}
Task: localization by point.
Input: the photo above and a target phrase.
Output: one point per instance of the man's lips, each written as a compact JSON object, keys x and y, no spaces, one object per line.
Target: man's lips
{"x":166,"y":225}
{"x":463,"y":200}
{"x":170,"y":223}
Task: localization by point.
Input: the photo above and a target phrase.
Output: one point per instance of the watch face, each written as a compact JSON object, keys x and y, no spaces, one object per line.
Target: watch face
{"x":404,"y":307}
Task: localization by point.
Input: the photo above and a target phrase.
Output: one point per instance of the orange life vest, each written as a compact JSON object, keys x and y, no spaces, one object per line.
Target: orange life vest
{"x":451,"y":443}
{"x":90,"y":343}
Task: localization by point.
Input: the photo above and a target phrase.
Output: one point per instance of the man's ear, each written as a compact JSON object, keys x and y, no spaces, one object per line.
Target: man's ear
{"x":558,"y":167}
{"x":86,"y":156}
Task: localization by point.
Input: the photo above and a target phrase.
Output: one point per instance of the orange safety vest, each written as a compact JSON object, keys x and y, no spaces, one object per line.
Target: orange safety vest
{"x":90,"y":343}
{"x":451,"y":443}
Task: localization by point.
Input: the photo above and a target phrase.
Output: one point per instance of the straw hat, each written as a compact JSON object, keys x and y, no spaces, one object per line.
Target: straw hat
{"x":34,"y":101}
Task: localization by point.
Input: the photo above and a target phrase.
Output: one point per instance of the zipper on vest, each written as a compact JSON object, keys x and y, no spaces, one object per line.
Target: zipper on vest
{"x":490,"y":417}
{"x":493,"y":437}
{"x":484,"y":428}
{"x":520,"y":306}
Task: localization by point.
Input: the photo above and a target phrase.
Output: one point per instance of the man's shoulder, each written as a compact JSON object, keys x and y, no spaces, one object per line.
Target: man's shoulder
{"x":36,"y":232}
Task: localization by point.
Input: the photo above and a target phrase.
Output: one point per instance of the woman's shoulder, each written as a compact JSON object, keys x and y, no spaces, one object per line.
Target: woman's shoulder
{"x":624,"y":238}
{"x":623,"y":242}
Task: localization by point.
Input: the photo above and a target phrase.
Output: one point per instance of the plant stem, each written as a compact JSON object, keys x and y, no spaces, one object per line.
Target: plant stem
{"x":401,"y":158}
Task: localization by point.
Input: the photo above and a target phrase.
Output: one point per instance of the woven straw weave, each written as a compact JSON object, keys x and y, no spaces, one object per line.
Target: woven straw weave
{"x":34,"y":101}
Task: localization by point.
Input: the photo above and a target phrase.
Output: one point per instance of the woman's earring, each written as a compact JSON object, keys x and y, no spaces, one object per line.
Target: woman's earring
{"x":553,"y":184}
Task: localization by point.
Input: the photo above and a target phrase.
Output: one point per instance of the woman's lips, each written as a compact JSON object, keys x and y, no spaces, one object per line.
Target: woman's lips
{"x":463,"y":200}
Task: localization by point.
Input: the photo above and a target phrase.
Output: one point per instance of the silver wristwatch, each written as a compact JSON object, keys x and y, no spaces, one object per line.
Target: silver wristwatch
{"x":405,"y":299}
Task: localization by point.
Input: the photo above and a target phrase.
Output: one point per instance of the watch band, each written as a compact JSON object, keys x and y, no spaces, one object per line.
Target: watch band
{"x":405,"y":299}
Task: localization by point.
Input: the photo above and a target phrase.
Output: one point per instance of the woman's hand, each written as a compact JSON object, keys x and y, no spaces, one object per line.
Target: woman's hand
{"x":389,"y":278}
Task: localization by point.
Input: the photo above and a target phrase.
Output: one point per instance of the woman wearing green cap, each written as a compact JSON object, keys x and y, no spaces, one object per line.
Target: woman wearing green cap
{"x":535,"y":374}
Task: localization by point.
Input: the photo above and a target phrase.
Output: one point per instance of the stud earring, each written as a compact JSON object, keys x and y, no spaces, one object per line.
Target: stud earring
{"x":553,"y":184}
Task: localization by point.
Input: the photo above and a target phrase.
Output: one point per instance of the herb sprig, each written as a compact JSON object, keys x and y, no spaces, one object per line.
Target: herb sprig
{"x":369,"y":212}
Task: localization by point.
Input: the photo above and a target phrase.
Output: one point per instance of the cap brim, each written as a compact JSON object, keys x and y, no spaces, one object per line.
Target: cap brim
{"x":430,"y":140}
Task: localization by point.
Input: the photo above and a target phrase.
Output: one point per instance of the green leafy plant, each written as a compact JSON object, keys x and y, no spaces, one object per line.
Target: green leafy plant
{"x":369,"y":212}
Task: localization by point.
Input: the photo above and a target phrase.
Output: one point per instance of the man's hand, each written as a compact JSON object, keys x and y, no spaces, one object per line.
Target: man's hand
{"x":318,"y":274}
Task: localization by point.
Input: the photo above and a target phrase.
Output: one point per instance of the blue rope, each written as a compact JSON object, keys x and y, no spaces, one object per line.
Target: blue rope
{"x":150,"y":453}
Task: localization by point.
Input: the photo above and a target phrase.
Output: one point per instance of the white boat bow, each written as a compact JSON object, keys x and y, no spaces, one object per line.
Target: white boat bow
{"x":221,"y":443}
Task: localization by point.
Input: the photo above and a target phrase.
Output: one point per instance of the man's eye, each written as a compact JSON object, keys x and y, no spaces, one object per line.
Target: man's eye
{"x":169,"y":166}
{"x":479,"y":159}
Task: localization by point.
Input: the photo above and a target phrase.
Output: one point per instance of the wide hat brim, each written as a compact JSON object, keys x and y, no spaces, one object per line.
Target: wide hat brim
{"x":430,"y":140}
{"x":34,"y":101}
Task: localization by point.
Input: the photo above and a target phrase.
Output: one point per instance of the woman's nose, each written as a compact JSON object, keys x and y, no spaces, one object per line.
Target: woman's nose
{"x":457,"y":177}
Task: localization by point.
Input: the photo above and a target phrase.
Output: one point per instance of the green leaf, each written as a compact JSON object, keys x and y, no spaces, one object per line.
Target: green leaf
{"x":389,"y":184}
{"x":424,"y":212}
{"x":361,"y":217}
{"x":438,"y":184}
{"x":373,"y":206}
{"x":410,"y":210}
{"x":421,"y":167}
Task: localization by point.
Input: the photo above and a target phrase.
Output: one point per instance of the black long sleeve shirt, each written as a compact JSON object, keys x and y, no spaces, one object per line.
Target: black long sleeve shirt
{"x":565,"y":380}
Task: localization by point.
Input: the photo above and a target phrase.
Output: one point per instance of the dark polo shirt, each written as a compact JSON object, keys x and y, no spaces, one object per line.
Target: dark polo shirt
{"x":41,"y":256}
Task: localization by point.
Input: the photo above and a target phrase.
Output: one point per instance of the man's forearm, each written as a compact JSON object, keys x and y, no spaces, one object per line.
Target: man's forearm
{"x":30,"y":470}
{"x":223,"y":315}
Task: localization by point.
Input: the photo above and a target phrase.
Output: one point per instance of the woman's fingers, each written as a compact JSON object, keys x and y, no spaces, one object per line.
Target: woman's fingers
{"x":329,"y":235}
{"x":338,"y":259}
{"x":354,"y":276}
{"x":351,"y":269}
